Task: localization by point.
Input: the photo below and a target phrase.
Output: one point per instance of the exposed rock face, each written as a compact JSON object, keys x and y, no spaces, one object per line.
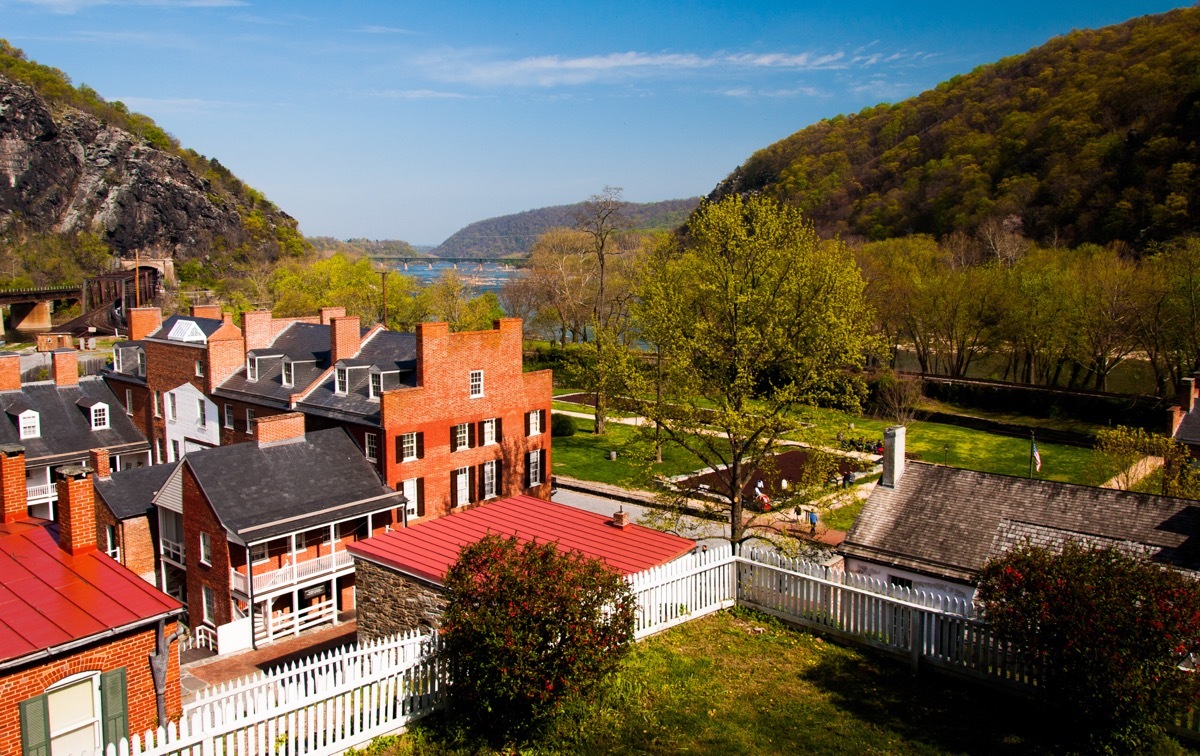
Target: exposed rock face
{"x":72,"y":172}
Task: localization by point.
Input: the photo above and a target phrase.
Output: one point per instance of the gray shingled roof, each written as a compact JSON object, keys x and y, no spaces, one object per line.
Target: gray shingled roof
{"x":1189,"y":430}
{"x":948,"y":522}
{"x":66,"y":426}
{"x":261,"y":492}
{"x":129,"y":493}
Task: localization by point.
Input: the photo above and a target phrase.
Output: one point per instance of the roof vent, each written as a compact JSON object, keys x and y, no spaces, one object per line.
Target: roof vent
{"x":620,"y":518}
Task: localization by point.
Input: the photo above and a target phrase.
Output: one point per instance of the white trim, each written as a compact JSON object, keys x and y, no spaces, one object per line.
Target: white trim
{"x":473,"y":391}
{"x":100,"y":416}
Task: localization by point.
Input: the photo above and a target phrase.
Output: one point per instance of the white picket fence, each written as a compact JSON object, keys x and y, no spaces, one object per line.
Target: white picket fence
{"x":332,"y":701}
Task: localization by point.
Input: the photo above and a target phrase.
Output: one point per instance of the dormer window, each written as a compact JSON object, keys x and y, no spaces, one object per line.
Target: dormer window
{"x":252,"y":368}
{"x":99,"y":417}
{"x":289,"y":373}
{"x":141,"y":363}
{"x":117,"y":360}
{"x":30,"y":423}
{"x":376,"y":385}
{"x":341,"y":381}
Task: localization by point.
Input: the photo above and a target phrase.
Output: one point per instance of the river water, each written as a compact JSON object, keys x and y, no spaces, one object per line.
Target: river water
{"x":482,"y":277}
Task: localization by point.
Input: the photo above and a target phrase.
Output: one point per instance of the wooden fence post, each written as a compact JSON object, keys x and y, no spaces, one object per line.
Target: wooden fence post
{"x":916,"y":627}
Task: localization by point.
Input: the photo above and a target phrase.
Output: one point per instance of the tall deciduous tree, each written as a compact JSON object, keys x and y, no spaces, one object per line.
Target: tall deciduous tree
{"x":754,"y":316}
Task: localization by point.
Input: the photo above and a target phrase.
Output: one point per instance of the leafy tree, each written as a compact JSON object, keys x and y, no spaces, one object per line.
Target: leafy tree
{"x":526,"y":626}
{"x":452,"y":299}
{"x":1120,"y":449}
{"x":1107,"y":632}
{"x":755,"y":317}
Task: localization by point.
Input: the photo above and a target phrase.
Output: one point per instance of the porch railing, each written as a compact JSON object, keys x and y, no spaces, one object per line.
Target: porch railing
{"x":291,"y":573}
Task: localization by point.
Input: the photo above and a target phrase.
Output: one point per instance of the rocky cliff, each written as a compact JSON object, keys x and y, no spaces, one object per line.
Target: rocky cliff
{"x":64,"y":170}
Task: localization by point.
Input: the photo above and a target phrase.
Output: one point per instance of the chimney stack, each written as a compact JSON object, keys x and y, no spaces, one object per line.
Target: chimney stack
{"x":212,"y":312}
{"x":1187,"y":394}
{"x":256,"y":328}
{"x":344,"y":338}
{"x":329,"y":313}
{"x":10,"y":371}
{"x":893,"y":456}
{"x":76,"y":510}
{"x":99,"y":460}
{"x":65,"y":364}
{"x":620,"y":519}
{"x":280,"y":429}
{"x":144,"y":321}
{"x":12,"y":482}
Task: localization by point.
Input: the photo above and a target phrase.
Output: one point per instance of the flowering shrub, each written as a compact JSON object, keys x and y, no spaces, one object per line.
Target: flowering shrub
{"x":1107,"y":630}
{"x":527,"y":626}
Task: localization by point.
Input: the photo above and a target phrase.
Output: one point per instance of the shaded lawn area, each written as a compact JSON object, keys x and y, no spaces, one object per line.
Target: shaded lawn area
{"x":740,"y":682}
{"x":585,"y":456}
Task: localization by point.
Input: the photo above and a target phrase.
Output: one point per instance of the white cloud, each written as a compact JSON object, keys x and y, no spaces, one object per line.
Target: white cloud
{"x":372,"y":29}
{"x":418,"y":94}
{"x":786,"y":92}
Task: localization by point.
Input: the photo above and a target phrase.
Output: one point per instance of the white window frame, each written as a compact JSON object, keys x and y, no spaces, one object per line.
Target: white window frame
{"x":157,"y":404}
{"x":128,"y":401}
{"x":208,"y":605}
{"x":95,"y":723}
{"x":31,"y":424}
{"x":228,"y":415}
{"x":341,"y":380}
{"x":491,"y":486}
{"x":141,"y":363}
{"x":534,"y":460}
{"x":172,"y":406}
{"x":264,"y":549}
{"x":411,"y":491}
{"x":158,"y":450}
{"x":462,"y":436}
{"x":476,"y":389}
{"x":489,"y":432}
{"x":462,"y":486}
{"x":201,"y":413}
{"x":249,"y":419}
{"x":288,"y":374}
{"x":112,"y":545}
{"x":100,"y":417}
{"x":205,"y":549}
{"x":252,"y":368}
{"x":199,"y":368}
{"x":371,"y":447}
{"x":535,"y":423}
{"x":375,"y":385}
{"x":408,"y":440}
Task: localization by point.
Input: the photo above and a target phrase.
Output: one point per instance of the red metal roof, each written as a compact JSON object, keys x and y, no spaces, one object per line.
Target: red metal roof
{"x":48,"y":597}
{"x":426,"y":550}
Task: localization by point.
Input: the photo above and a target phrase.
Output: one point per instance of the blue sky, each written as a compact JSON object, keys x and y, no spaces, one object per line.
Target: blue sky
{"x":409,"y":121}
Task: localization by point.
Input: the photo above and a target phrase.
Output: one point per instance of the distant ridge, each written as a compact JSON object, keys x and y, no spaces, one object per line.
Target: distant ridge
{"x":514,"y":235}
{"x":1092,"y":137}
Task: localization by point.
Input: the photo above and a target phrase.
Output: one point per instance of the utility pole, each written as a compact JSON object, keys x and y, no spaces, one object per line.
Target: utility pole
{"x":384,"y":273}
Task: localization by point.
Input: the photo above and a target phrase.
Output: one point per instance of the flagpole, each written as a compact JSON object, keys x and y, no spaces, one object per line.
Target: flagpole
{"x":1032,"y":441}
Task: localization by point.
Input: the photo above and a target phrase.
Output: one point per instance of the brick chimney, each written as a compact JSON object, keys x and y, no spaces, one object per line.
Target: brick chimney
{"x":256,"y":328}
{"x":144,"y":321}
{"x":10,"y":371}
{"x":213,"y":312}
{"x":99,"y":462}
{"x":1187,"y":394}
{"x":343,"y":339}
{"x":280,"y":429}
{"x":620,"y":519}
{"x":893,"y":456}
{"x":433,"y":345}
{"x":76,"y":509}
{"x":12,"y":482}
{"x":329,"y":313}
{"x":65,"y":367}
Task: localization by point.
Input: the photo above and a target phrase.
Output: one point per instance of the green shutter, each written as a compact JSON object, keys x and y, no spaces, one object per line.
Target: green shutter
{"x":35,"y":726}
{"x":113,"y":711}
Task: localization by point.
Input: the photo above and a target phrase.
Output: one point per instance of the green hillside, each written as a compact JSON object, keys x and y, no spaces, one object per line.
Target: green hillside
{"x":514,"y":235}
{"x":1092,"y":137}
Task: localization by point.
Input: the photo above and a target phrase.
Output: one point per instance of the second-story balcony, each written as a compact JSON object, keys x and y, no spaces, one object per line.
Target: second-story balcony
{"x":172,"y":550}
{"x":291,"y":574}
{"x":40,"y":493}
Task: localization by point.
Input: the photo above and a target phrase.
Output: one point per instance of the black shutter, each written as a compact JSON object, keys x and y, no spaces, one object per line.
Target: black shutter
{"x":400,"y":448}
{"x":543,"y":475}
{"x":542,"y":421}
{"x":482,"y":478}
{"x":35,"y":726}
{"x":421,"y":445}
{"x":471,"y":477}
{"x":499,"y":426}
{"x":526,"y":423}
{"x":500,"y":478}
{"x":113,"y":712}
{"x":528,"y":470}
{"x":420,"y":497}
{"x":471,"y":436}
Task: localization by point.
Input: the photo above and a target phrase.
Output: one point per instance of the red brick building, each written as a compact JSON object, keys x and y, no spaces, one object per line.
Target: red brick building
{"x":77,"y":630}
{"x":449,"y":419}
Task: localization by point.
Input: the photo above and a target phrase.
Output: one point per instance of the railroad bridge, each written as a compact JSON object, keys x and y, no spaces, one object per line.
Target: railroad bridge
{"x":103,"y":299}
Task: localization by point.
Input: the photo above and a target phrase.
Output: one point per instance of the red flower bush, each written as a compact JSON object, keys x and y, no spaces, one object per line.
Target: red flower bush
{"x":527,"y":626}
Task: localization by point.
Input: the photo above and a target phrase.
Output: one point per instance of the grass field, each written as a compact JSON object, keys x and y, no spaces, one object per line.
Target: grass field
{"x":739,"y":682}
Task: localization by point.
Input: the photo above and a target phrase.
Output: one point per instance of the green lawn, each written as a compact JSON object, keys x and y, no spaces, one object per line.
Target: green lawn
{"x":585,"y":456}
{"x":843,"y":517}
{"x":739,"y":682}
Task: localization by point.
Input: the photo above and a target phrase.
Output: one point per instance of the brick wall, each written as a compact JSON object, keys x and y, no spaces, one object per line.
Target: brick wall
{"x":199,"y":517}
{"x":442,"y":399}
{"x":12,"y":484}
{"x":76,"y":509}
{"x":143,"y":321}
{"x":282,"y":427}
{"x":239,"y":433}
{"x":10,"y":371}
{"x":129,"y":650}
{"x":390,"y":603}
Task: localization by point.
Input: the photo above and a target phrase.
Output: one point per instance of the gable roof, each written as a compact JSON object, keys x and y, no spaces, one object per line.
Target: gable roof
{"x":948,"y":522}
{"x":426,"y":550}
{"x":187,"y":329}
{"x":65,"y":420}
{"x":262,"y":491}
{"x":50,"y":599}
{"x":130,"y":493}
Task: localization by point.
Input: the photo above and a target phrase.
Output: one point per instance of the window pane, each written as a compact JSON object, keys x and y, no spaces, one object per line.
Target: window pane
{"x":72,"y":705}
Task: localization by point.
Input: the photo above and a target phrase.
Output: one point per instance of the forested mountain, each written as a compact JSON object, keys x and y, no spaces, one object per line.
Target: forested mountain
{"x":74,"y":165}
{"x":364,"y":247}
{"x":512,"y":235}
{"x":1092,"y":137}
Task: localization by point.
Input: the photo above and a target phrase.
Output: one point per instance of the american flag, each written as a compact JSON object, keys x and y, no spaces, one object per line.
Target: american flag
{"x":1037,"y":458}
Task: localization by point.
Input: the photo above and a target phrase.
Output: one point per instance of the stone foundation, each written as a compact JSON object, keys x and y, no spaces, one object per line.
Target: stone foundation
{"x":390,"y":603}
